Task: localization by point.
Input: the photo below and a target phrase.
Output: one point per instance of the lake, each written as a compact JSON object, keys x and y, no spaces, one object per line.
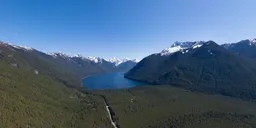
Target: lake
{"x":109,"y":81}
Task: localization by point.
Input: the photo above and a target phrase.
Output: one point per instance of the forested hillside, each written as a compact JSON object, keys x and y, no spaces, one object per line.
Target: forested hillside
{"x":209,"y":68}
{"x":37,"y":93}
{"x":171,"y":107}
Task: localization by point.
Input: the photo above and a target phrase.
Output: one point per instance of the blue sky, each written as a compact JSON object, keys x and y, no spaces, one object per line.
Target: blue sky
{"x":123,"y":28}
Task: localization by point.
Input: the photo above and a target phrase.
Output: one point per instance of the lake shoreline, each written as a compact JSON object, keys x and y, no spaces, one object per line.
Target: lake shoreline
{"x":114,"y":80}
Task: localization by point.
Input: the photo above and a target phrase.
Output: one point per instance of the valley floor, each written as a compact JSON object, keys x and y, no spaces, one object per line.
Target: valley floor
{"x":165,"y":106}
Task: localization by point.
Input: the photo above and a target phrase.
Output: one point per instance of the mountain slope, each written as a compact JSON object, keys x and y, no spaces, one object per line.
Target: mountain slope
{"x":34,"y":92}
{"x":208,"y":68}
{"x":245,"y":48}
{"x":67,"y":69}
{"x":43,"y":90}
{"x":126,"y":66}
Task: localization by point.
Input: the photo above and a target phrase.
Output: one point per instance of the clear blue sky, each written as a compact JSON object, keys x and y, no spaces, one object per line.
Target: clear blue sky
{"x":123,"y":28}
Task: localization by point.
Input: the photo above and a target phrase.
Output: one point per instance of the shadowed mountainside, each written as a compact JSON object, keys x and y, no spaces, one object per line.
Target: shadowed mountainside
{"x":209,"y":68}
{"x":245,"y":48}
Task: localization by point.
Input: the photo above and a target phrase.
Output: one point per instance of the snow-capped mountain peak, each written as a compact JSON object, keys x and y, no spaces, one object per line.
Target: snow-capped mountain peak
{"x":95,"y":59}
{"x":171,"y":50}
{"x":252,"y":41}
{"x":136,"y":60}
{"x":25,"y":48}
{"x":180,"y":46}
{"x":113,"y":60}
{"x":60,"y":54}
{"x":117,"y":61}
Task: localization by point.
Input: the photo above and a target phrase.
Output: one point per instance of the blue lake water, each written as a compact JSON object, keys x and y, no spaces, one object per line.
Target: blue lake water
{"x":109,"y":81}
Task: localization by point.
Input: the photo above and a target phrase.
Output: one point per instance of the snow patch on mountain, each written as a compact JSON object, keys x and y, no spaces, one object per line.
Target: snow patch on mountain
{"x":136,"y":60}
{"x":171,"y":50}
{"x":197,"y":46}
{"x":117,"y":61}
{"x":181,"y":46}
{"x":60,"y":54}
{"x":184,"y":51}
{"x":95,"y":59}
{"x":251,"y":42}
{"x":25,"y":48}
{"x":210,"y":51}
{"x":113,"y":60}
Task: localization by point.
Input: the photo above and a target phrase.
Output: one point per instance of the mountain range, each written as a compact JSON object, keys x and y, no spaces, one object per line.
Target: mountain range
{"x":38,"y":89}
{"x":65,"y":68}
{"x":115,"y":61}
{"x":245,"y":48}
{"x":227,"y":69}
